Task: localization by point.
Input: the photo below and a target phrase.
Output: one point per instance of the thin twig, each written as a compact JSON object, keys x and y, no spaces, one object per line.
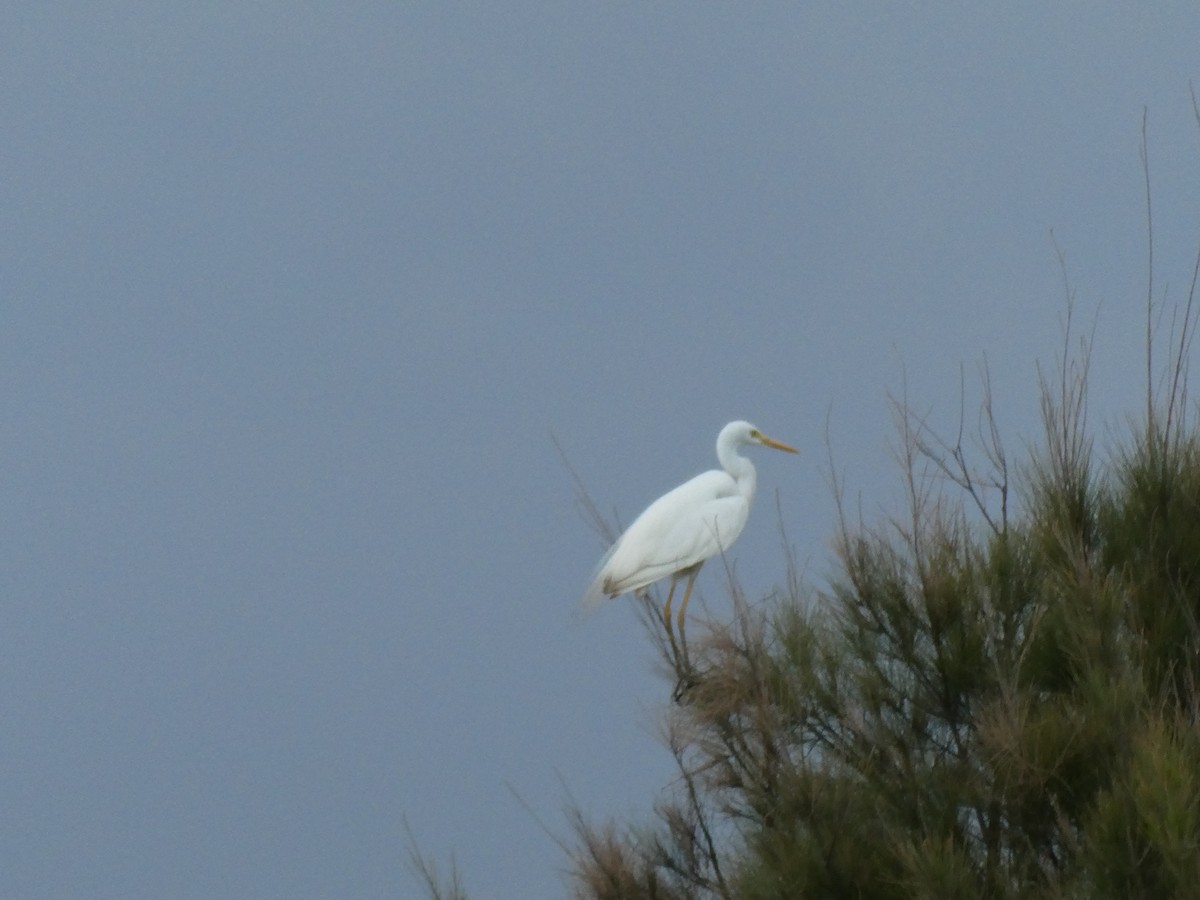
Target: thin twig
{"x":591,"y":513}
{"x":1145,"y":157}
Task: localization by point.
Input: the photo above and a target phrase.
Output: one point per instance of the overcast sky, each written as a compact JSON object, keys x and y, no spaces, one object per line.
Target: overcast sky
{"x":294,"y":296}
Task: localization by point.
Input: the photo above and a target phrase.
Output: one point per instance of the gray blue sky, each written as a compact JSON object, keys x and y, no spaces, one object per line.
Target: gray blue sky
{"x":293,"y":297}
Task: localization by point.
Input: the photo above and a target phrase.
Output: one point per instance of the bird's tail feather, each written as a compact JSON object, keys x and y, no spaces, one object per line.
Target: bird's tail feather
{"x":596,"y":592}
{"x":593,"y":598}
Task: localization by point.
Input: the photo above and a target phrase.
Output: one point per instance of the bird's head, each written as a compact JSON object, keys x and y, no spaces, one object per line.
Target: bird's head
{"x":744,"y":433}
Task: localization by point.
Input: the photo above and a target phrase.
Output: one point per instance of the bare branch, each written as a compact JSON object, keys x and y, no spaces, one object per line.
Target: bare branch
{"x":425,"y":869}
{"x":583,"y":499}
{"x":1145,"y":157}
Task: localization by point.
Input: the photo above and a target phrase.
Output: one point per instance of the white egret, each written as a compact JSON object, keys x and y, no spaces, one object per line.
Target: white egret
{"x":683,"y":528}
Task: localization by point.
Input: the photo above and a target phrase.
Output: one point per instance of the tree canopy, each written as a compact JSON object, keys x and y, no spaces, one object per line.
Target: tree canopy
{"x":996,"y":696}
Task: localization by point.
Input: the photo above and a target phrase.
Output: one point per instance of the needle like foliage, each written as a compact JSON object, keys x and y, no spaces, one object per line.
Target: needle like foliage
{"x":997,"y":696}
{"x":983,"y":703}
{"x":977,"y":707}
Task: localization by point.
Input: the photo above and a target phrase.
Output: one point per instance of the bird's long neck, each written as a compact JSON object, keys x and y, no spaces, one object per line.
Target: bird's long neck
{"x":741,"y":469}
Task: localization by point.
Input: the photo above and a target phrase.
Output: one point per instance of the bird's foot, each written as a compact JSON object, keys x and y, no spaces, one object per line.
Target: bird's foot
{"x":686,"y":680}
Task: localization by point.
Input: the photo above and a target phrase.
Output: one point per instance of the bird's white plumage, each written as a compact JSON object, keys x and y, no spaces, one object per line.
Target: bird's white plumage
{"x":700,"y":518}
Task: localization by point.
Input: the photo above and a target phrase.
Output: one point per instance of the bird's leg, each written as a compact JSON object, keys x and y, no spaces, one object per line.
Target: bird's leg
{"x":687,"y":595}
{"x":667,"y":618}
{"x":667,"y":608}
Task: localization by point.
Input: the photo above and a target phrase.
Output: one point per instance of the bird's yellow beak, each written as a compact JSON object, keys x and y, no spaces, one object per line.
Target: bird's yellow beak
{"x":778,"y":445}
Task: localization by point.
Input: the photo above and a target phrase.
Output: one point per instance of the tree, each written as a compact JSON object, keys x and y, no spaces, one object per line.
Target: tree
{"x":982,"y":704}
{"x":997,"y":697}
{"x":977,"y":707}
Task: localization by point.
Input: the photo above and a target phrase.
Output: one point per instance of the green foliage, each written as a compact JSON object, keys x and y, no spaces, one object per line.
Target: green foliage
{"x":981,"y":704}
{"x":977,"y":706}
